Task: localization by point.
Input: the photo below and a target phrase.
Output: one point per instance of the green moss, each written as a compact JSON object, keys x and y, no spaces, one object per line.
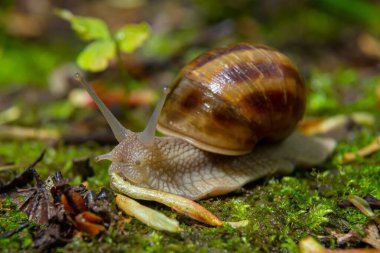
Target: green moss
{"x":10,"y":220}
{"x":29,"y":150}
{"x":59,"y":158}
{"x":281,"y":211}
{"x":342,"y":87}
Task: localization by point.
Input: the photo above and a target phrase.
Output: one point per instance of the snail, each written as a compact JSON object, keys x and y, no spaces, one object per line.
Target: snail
{"x":230,"y":117}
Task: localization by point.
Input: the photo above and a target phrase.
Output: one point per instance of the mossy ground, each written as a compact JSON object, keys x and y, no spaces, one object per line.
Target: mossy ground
{"x":281,"y":211}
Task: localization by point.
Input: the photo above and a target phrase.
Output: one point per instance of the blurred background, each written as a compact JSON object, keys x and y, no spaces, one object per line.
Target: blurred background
{"x":129,"y":49}
{"x":336,"y":45}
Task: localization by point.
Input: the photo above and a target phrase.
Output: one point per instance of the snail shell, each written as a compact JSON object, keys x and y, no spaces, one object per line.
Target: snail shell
{"x":228,"y":99}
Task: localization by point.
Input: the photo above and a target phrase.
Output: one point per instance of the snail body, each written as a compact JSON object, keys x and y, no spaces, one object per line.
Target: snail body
{"x":174,"y":165}
{"x":221,"y":105}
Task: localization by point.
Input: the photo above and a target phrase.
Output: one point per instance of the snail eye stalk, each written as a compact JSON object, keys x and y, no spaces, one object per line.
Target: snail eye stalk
{"x":147,"y":136}
{"x":118,"y":130}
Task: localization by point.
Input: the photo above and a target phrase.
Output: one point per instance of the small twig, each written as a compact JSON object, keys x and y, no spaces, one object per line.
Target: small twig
{"x":314,"y":126}
{"x":105,"y":138}
{"x":14,"y":231}
{"x":18,"y":132}
{"x":367,"y":150}
{"x":25,"y":177}
{"x":7,"y":167}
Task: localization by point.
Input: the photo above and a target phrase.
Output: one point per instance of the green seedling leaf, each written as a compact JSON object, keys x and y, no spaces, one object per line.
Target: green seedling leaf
{"x":86,"y":28}
{"x":64,"y":14}
{"x":96,"y":55}
{"x":90,"y":28}
{"x":130,"y":37}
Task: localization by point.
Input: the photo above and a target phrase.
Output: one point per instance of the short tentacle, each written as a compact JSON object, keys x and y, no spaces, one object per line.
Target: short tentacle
{"x":107,"y":156}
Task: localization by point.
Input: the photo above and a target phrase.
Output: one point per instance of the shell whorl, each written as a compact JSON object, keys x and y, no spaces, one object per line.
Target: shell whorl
{"x":228,"y":99}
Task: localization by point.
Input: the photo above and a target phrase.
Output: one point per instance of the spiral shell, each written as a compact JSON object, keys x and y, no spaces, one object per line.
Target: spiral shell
{"x":228,"y":99}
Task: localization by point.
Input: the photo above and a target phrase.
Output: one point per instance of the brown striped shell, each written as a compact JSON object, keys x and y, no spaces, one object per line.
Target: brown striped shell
{"x":228,"y":99}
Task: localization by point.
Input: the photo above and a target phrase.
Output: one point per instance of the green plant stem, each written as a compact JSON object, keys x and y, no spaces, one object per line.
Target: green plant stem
{"x":122,"y":68}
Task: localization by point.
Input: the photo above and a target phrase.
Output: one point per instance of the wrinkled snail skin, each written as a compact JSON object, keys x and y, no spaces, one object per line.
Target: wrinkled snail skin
{"x":228,"y":99}
{"x":175,"y":166}
{"x":219,"y":107}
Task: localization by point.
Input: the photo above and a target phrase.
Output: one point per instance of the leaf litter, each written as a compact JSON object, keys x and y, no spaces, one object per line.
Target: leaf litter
{"x":60,"y":210}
